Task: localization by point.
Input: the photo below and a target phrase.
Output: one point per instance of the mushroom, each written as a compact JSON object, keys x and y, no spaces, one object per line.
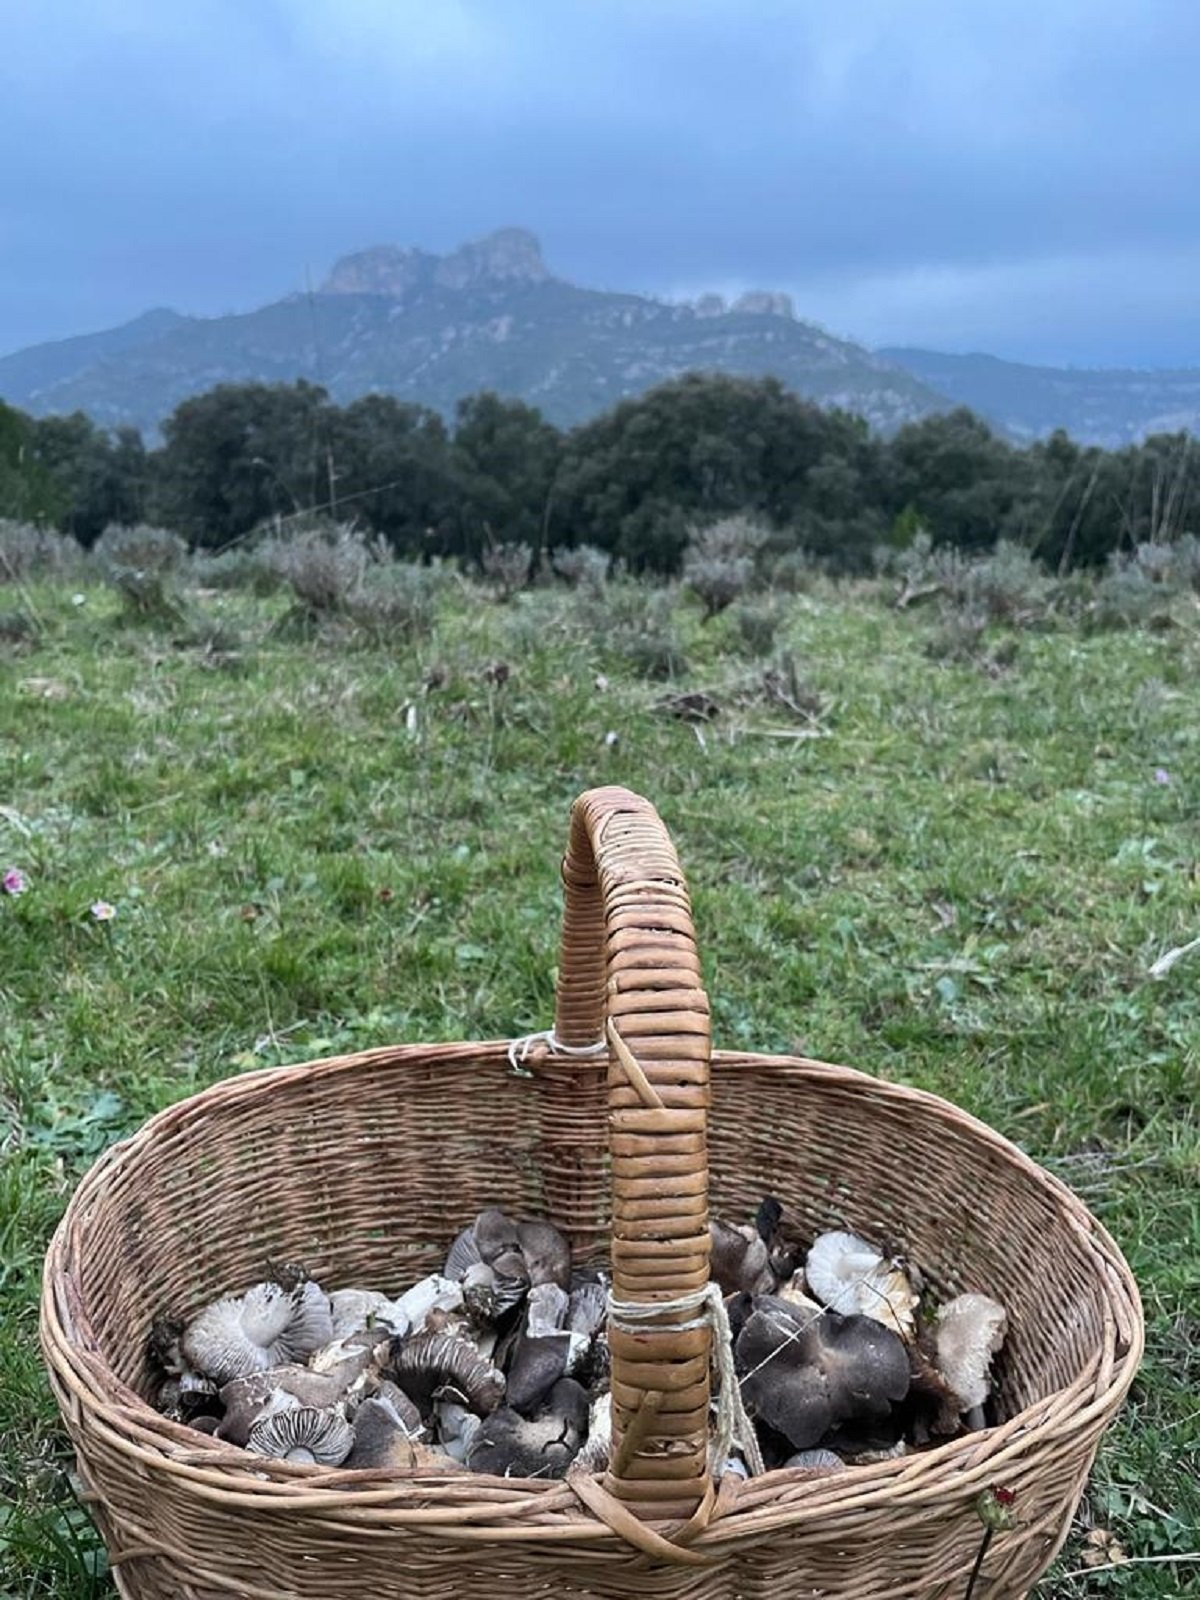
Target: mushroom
{"x":187,"y":1397}
{"x":431,"y":1366}
{"x":594,"y":1455}
{"x":306,"y":1434}
{"x":463,"y":1254}
{"x":353,"y":1310}
{"x":547,"y":1253}
{"x":587,"y":1305}
{"x":382,"y":1440}
{"x":850,"y":1276}
{"x":794,"y":1291}
{"x":932,"y":1407}
{"x":456,"y":1428}
{"x":479,"y":1292}
{"x":769,"y":1215}
{"x":431,"y":1293}
{"x":511,"y":1280}
{"x":740,"y":1259}
{"x":348,"y":1358}
{"x":541,"y":1350}
{"x":822,"y":1461}
{"x":802,"y":1376}
{"x":968,"y":1332}
{"x":262,"y":1328}
{"x":542,"y":1446}
{"x":495,"y":1234}
{"x":287,"y":1388}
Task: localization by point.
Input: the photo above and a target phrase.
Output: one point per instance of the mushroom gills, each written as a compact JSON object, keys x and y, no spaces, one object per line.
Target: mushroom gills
{"x":431,"y":1366}
{"x":264,"y":1327}
{"x":968,"y":1332}
{"x":850,"y":1276}
{"x":305,"y":1434}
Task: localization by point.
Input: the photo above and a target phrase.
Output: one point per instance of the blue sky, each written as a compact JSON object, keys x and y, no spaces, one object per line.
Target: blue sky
{"x":1001,"y":175}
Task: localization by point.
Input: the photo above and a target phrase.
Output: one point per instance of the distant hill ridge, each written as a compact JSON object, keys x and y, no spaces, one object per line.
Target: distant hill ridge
{"x":491,"y":315}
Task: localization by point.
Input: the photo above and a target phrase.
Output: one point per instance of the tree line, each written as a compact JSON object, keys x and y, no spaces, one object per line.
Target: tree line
{"x":632,"y":482}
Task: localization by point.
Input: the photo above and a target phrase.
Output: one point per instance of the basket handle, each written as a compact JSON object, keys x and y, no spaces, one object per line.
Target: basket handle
{"x":630,"y":973}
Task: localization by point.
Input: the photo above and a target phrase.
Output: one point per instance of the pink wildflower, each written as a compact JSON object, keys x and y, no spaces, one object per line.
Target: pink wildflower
{"x":102,"y":911}
{"x":14,"y":881}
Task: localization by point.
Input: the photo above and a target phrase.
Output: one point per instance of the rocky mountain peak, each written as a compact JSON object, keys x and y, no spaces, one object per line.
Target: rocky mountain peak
{"x":508,"y":256}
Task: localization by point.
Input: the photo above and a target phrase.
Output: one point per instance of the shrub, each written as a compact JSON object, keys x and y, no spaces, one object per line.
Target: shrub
{"x":794,"y":572}
{"x":17,"y":628}
{"x":240,"y":568}
{"x":30,"y":552}
{"x":1008,"y":585}
{"x":146,"y":597}
{"x":719,"y":561}
{"x":508,"y":567}
{"x":324,"y":565}
{"x":397,"y":601}
{"x":1127,"y":596}
{"x":757,"y":626}
{"x":583,"y":566}
{"x":141,"y":548}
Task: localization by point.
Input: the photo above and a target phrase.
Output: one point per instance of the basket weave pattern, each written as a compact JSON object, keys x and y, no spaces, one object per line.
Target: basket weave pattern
{"x":365,"y":1166}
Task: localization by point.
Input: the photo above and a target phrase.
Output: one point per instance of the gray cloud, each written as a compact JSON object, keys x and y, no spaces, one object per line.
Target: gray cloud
{"x":1009,"y":175}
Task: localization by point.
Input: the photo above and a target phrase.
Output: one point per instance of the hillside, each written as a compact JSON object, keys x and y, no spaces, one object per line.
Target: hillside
{"x":1110,"y":408}
{"x":432,"y":329}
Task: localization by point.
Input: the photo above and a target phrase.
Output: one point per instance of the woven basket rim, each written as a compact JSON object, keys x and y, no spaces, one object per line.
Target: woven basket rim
{"x":86,"y":1381}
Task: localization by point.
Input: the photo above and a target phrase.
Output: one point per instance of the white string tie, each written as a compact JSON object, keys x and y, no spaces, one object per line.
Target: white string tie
{"x":519,"y":1050}
{"x":733,"y":1424}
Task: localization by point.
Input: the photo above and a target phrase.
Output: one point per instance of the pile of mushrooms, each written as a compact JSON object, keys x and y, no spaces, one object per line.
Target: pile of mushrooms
{"x":499,"y":1363}
{"x":496,"y":1364}
{"x":839,"y":1359}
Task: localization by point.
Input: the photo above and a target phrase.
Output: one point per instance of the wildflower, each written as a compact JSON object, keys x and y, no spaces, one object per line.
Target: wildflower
{"x":14,"y":881}
{"x":78,"y":599}
{"x":1161,"y":775}
{"x":994,"y":1508}
{"x":102,"y":911}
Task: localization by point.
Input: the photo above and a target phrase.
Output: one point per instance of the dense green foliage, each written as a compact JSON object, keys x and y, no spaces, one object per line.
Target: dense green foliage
{"x":631,"y":483}
{"x":950,"y":860}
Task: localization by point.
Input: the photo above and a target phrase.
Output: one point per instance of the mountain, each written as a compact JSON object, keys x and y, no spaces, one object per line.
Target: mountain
{"x":1107,"y":407}
{"x":430,"y":328}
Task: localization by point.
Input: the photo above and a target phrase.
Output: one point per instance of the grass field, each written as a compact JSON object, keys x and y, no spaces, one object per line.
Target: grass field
{"x":314,"y":845}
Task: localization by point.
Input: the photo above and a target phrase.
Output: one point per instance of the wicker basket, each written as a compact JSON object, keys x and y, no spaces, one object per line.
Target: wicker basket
{"x":365,"y":1166}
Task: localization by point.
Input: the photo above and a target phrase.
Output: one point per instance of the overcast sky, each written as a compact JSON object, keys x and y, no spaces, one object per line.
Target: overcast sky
{"x":1017,"y":176}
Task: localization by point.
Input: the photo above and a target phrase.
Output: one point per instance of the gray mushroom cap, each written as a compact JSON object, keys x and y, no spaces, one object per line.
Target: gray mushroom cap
{"x":587,"y":1307}
{"x":547,"y":1253}
{"x":511,"y":1281}
{"x":353,"y":1310}
{"x":383,"y":1442}
{"x":541,"y":1446}
{"x":740,"y":1259}
{"x":306,"y":1434}
{"x":803,"y":1375}
{"x":495,"y":1234}
{"x":541,"y":1351}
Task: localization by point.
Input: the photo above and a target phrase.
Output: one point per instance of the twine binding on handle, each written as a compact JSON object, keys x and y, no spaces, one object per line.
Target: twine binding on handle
{"x":733,"y":1424}
{"x":519,"y":1050}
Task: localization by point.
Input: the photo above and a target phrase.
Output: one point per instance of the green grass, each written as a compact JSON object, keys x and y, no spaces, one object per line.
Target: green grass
{"x":961,"y":887}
